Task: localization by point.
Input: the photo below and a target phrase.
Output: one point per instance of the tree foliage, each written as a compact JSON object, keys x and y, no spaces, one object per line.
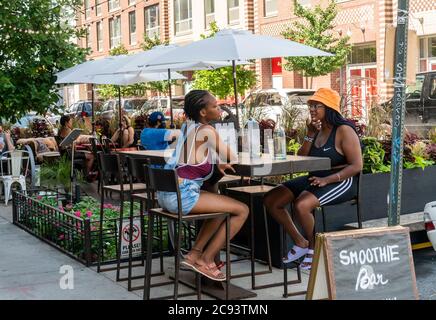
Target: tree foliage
{"x":220,"y":81}
{"x":315,"y":29}
{"x":35,"y":43}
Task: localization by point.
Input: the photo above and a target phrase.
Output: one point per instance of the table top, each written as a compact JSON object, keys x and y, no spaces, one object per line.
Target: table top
{"x":263,"y":166}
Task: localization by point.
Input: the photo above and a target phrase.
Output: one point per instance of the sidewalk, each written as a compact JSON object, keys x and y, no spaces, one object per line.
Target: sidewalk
{"x":29,"y":269}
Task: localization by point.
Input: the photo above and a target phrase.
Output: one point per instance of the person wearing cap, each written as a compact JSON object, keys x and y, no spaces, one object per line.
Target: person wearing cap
{"x":328,"y":135}
{"x":155,"y":136}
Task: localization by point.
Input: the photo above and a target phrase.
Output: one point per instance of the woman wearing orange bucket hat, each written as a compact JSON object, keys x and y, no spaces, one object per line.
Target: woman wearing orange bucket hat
{"x":328,"y":135}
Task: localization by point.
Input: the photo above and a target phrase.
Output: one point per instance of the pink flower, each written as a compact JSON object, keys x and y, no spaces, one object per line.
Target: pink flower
{"x":89,"y":214}
{"x":78,"y":214}
{"x":61,"y":208}
{"x":93,"y":228}
{"x":61,"y":237}
{"x":69,"y":206}
{"x":39,"y":197}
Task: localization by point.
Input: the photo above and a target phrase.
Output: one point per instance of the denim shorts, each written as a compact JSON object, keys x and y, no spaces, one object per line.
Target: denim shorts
{"x":189,"y":192}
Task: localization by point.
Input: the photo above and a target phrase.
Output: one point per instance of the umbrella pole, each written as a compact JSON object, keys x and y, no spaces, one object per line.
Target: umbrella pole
{"x":120,"y":134}
{"x":92,"y":109}
{"x":171,"y":99}
{"x":235,"y":90}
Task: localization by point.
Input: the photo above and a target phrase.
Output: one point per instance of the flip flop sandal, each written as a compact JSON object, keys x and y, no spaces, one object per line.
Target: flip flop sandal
{"x":295,"y":253}
{"x":211,"y":271}
{"x":306,"y":264}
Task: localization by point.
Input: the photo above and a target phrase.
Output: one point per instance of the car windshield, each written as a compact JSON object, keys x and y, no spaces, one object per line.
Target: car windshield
{"x":415,"y":90}
{"x":73,"y":107}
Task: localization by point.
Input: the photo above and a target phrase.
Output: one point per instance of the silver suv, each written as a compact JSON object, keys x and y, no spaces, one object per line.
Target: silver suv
{"x":129,"y":106}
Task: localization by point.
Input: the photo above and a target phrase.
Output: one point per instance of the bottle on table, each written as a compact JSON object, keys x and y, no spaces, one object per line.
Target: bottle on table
{"x":279,"y":137}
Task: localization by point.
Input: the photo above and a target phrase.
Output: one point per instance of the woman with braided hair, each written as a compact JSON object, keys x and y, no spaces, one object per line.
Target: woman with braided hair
{"x":196,"y":147}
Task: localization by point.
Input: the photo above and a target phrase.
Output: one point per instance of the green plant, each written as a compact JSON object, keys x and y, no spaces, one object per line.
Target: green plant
{"x":58,"y":173}
{"x":373,"y":156}
{"x":421,"y":157}
{"x":36,"y":42}
{"x":293,"y":146}
{"x":432,"y":135}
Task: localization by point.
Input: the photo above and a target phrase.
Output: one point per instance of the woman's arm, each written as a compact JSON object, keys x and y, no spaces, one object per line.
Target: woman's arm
{"x":214,"y":142}
{"x":131,"y":137}
{"x":114,"y":138}
{"x":350,"y":146}
{"x":9,"y":141}
{"x":312,"y":129}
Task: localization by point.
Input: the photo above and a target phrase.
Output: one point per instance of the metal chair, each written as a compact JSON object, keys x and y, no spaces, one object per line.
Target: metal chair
{"x":167,"y":180}
{"x":355,"y":201}
{"x":136,"y":172}
{"x":110,"y":166}
{"x":16,"y":171}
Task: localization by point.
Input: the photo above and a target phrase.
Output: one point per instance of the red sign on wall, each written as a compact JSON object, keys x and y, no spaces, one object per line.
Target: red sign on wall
{"x":276,"y":65}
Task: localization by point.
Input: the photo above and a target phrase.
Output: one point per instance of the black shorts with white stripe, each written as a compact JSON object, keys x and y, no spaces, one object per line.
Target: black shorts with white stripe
{"x":330,"y":194}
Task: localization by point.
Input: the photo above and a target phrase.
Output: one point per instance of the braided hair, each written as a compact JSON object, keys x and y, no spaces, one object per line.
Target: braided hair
{"x":194,"y":102}
{"x":334,"y":118}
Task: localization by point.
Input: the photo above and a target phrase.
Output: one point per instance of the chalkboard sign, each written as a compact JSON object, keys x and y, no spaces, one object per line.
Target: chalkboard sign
{"x":365,"y":264}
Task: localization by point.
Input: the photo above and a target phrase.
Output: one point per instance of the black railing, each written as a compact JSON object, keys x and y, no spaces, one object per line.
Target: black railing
{"x":40,"y":212}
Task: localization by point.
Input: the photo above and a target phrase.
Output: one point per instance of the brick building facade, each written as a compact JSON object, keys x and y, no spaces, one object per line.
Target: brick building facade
{"x":365,"y":76}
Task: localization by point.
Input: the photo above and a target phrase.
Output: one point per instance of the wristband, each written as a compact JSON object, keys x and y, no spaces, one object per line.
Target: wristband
{"x":308,"y":139}
{"x":339,"y":177}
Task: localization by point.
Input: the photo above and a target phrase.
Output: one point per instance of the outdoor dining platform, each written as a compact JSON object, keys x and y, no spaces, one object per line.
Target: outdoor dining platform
{"x":245,"y":167}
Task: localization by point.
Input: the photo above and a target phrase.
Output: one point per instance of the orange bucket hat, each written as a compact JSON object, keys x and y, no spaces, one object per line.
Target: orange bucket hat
{"x":330,"y":98}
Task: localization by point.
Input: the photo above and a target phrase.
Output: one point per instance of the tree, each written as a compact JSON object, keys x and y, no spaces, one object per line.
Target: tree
{"x":35,"y":43}
{"x":220,"y":81}
{"x":316,"y":30}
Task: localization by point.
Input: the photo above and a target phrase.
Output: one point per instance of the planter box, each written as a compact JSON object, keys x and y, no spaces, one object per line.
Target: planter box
{"x":75,"y":236}
{"x":418,"y":188}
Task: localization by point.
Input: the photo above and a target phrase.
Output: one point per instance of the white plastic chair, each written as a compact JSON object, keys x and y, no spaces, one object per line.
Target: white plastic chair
{"x":16,"y":171}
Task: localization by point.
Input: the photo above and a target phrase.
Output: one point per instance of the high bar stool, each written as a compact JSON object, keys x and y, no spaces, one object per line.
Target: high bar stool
{"x":253,"y":191}
{"x":136,"y":171}
{"x":110,"y":165}
{"x":167,"y":180}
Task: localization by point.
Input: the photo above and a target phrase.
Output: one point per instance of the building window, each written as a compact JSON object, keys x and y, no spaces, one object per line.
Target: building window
{"x":87,"y":9}
{"x":233,"y":11}
{"x":363,"y":54}
{"x":182,"y":16}
{"x":88,"y":37}
{"x":427,"y":54}
{"x":151,"y":19}
{"x":113,"y":5}
{"x":270,"y":8}
{"x":115,"y":31}
{"x":98,"y":7}
{"x":99,"y":36}
{"x":132,"y":2}
{"x":132,"y":27}
{"x":209,"y":12}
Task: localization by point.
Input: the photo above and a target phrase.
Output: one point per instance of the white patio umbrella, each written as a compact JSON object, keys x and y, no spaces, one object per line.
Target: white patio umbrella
{"x":136,"y":63}
{"x":233,"y":45}
{"x":88,"y":72}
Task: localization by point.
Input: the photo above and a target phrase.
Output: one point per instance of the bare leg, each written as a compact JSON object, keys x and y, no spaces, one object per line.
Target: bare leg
{"x":215,"y":229}
{"x":275,"y":201}
{"x":304,"y":206}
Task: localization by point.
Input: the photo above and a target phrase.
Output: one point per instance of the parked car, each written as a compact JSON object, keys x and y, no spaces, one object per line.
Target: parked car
{"x":421,"y":99}
{"x":83,"y":108}
{"x":129,"y":106}
{"x":163,"y":104}
{"x":430,"y":221}
{"x":273,"y":102}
